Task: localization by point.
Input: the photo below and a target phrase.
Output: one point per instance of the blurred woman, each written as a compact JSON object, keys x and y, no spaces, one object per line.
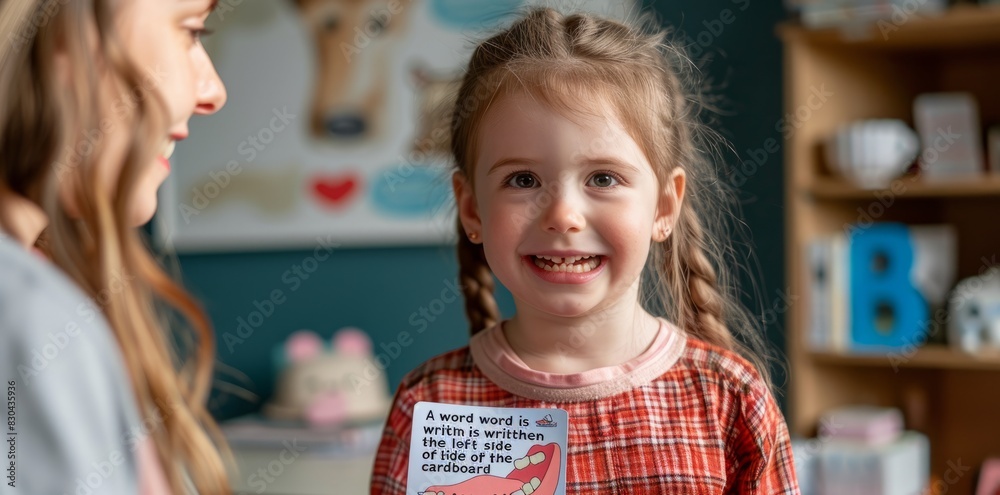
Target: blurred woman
{"x":94,"y":94}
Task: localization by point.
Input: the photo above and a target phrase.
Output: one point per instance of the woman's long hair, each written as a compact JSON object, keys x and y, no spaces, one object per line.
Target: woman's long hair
{"x":54,"y":129}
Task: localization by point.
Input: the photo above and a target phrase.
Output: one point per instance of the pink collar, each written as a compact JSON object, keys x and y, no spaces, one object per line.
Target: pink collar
{"x":495,"y":358}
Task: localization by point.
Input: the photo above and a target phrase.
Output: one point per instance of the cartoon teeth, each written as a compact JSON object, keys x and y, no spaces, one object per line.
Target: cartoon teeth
{"x":523,"y":462}
{"x":529,"y":487}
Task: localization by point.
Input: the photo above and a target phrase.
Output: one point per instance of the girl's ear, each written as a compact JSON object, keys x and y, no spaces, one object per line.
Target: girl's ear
{"x":669,"y":208}
{"x":468,"y":212}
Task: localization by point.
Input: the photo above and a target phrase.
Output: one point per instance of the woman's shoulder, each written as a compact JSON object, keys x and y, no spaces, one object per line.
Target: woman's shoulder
{"x":71,"y":385}
{"x":40,"y":305}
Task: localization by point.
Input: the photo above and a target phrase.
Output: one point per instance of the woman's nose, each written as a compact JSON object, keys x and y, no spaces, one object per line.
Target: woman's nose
{"x":210,"y":92}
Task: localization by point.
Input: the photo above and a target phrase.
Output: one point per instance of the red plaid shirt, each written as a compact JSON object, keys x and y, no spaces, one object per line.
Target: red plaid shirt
{"x":693,"y":419}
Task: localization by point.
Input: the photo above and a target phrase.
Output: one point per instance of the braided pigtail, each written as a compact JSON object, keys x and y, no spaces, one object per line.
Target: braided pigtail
{"x":703,"y":315}
{"x":476,"y":280}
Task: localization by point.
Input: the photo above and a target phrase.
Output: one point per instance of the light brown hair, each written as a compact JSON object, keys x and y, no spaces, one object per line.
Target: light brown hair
{"x":657,"y":93}
{"x":53,"y":129}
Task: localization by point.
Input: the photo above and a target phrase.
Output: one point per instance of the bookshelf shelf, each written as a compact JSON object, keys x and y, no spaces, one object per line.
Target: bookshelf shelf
{"x":959,"y":27}
{"x":864,"y":75}
{"x":927,"y":357}
{"x":908,"y":187}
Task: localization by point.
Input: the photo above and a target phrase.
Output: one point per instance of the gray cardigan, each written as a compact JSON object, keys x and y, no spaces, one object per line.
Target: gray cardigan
{"x":70,"y":417}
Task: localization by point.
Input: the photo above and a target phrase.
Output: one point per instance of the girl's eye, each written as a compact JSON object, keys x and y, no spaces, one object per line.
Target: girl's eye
{"x":522,"y":181}
{"x":602,"y":180}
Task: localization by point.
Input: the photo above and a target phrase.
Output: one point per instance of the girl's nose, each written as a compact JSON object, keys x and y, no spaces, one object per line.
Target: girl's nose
{"x":564,"y":215}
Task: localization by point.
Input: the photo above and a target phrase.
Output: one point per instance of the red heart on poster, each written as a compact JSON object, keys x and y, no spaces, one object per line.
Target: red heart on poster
{"x":335,"y":191}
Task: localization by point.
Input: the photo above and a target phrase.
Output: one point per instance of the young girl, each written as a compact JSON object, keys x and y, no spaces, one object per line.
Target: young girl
{"x":580,"y":163}
{"x":93,"y":96}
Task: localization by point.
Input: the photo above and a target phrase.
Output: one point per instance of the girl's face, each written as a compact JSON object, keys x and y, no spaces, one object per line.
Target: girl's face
{"x":565,"y":208}
{"x":162,"y":38}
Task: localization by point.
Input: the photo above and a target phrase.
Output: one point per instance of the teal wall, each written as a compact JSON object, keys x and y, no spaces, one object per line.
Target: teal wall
{"x":743,"y":61}
{"x":383,"y":291}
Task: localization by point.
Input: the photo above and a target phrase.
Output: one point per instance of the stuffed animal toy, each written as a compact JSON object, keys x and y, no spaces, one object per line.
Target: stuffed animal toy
{"x":974,"y":313}
{"x":328,"y":387}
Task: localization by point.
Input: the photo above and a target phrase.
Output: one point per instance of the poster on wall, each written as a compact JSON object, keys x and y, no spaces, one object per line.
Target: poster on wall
{"x":336,"y":123}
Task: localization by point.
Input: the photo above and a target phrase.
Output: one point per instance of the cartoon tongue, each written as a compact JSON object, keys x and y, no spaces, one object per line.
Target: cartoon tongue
{"x":537,"y":473}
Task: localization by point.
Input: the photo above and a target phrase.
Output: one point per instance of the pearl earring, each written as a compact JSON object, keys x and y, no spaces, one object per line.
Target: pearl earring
{"x":473,"y":236}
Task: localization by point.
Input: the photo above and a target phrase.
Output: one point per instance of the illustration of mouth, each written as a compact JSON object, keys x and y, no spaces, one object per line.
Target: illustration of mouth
{"x":537,"y":473}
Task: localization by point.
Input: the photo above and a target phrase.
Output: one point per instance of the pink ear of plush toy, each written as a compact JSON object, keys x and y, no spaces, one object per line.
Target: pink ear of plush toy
{"x":303,"y":345}
{"x":352,"y":341}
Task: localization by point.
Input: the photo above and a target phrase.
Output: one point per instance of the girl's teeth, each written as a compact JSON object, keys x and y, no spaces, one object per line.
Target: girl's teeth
{"x":589,"y":264}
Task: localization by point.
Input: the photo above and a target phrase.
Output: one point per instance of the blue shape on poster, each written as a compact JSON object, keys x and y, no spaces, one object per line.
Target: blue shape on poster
{"x":466,"y":14}
{"x":887,"y":311}
{"x":410,"y":191}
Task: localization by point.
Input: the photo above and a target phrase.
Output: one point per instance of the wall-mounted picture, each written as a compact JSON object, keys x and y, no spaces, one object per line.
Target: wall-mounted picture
{"x":336,"y":127}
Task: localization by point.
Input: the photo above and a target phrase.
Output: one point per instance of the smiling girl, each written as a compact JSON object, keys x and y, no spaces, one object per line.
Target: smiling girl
{"x":584,"y":187}
{"x":94,"y":94}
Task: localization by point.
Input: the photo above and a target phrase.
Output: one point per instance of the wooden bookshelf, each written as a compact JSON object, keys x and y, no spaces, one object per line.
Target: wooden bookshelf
{"x":907,"y":187}
{"x":948,"y":395}
{"x":963,"y":26}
